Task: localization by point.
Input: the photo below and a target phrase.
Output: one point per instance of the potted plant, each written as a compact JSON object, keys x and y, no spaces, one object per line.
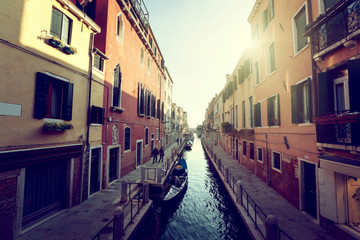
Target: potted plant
{"x":69,"y":50}
{"x":56,"y":127}
{"x":55,"y":42}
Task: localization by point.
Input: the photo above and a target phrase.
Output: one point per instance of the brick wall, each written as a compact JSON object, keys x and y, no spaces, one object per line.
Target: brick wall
{"x":8,"y":188}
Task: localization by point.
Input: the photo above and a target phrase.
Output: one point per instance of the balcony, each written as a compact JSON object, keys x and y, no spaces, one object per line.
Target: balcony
{"x":140,"y":10}
{"x":339,"y":129}
{"x":335,"y":27}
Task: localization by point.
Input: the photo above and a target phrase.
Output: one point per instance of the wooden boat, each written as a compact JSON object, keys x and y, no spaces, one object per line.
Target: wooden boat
{"x":188,"y":145}
{"x":177,"y":181}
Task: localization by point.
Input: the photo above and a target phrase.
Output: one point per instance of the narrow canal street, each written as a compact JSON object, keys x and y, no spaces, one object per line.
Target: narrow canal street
{"x":204,"y":211}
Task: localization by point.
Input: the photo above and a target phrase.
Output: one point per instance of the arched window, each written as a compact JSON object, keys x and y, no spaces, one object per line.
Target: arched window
{"x":120,"y":27}
{"x":142,"y":55}
{"x":117,"y":87}
{"x":127,"y":139}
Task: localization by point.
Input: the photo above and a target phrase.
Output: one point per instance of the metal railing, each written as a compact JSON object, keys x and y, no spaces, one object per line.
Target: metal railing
{"x":283,"y":235}
{"x":135,"y":203}
{"x":256,"y":214}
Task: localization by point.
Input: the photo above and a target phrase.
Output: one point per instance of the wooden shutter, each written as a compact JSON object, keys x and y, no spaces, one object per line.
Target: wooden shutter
{"x":354,"y":84}
{"x":272,"y":11}
{"x":277,"y":106}
{"x":241,"y":75}
{"x":65,"y":29}
{"x":294,"y":107}
{"x":158,"y":109}
{"x":270,"y":110}
{"x":310,"y":99}
{"x":257,"y":115}
{"x":41,"y":92}
{"x":139,"y":98}
{"x":116,"y":91}
{"x":68,"y":101}
{"x":326,"y":94}
{"x":56,"y":21}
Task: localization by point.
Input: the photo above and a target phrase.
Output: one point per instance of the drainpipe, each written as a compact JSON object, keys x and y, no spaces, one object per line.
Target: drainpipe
{"x":87,"y":143}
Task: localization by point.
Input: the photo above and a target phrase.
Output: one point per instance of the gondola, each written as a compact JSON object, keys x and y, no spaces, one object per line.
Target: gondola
{"x":177,"y":181}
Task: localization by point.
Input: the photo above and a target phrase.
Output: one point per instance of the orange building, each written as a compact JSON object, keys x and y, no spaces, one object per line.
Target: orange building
{"x":334,"y":37}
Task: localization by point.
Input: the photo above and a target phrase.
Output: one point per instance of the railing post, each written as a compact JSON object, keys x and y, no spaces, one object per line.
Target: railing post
{"x":123,"y":190}
{"x":271,"y":228}
{"x":158,"y":175}
{"x":118,"y":223}
{"x":226,"y":168}
{"x":238,"y":191}
{"x":142,"y":174}
{"x":146,"y":192}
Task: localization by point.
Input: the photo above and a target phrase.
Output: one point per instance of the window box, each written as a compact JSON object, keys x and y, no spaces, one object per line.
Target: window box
{"x":56,"y":127}
{"x":56,"y":43}
{"x":69,"y":50}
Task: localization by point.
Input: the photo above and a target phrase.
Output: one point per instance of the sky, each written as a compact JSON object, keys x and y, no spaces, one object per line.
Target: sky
{"x":201,"y":41}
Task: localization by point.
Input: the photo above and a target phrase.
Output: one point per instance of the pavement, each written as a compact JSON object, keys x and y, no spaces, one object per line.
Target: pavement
{"x":85,"y":220}
{"x":290,"y":219}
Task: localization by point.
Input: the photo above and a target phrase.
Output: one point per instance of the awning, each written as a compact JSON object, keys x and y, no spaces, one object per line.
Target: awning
{"x":346,"y":166}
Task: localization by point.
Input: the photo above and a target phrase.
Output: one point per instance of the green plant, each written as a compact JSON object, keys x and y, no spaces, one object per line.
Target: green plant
{"x":57,"y":127}
{"x":226,"y":126}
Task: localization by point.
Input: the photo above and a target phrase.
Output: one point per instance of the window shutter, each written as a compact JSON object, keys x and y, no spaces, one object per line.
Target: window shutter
{"x":65,"y":29}
{"x":326,"y":94}
{"x":241,"y":75}
{"x":158,"y":109}
{"x":116,"y":87}
{"x":277,"y":106}
{"x":272,"y":12}
{"x":235,"y":83}
{"x":139,"y":98}
{"x":264,"y":20}
{"x":269,"y":111}
{"x":56,"y":21}
{"x":102,"y":116}
{"x":294,"y":108}
{"x":41,"y":91}
{"x":354,"y":84}
{"x":68,"y":101}
{"x":310,"y":99}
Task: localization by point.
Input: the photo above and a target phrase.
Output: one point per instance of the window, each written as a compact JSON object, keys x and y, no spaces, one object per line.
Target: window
{"x":120,"y":27}
{"x":98,"y":63}
{"x":251,"y":115}
{"x":151,"y":42}
{"x":157,"y":134}
{"x":268,"y":15}
{"x":236,"y":116}
{"x":141,"y":100}
{"x":247,"y":67}
{"x":299,"y":24}
{"x":257,"y":73}
{"x":257,"y":115}
{"x":60,"y":26}
{"x":142,"y":56}
{"x":259,"y":154}
{"x":244,"y":148}
{"x":97,"y":115}
{"x":273,"y":111}
{"x":117,"y":87}
{"x":153,"y":105}
{"x":252,"y":151}
{"x":243,"y":114}
{"x":271,"y":58}
{"x":301,"y":106}
{"x":341,"y":87}
{"x":276,"y":161}
{"x":148,"y":65}
{"x":127,"y":139}
{"x":146,"y":136}
{"x":53,"y":97}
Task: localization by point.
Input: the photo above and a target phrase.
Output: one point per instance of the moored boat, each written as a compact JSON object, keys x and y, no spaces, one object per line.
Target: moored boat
{"x":177,"y":181}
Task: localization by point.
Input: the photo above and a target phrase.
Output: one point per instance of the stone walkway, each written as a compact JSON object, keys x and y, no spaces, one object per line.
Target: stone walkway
{"x":85,"y":220}
{"x":290,"y":219}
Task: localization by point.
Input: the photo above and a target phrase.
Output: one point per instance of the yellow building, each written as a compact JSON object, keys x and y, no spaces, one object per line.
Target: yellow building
{"x":50,"y":109}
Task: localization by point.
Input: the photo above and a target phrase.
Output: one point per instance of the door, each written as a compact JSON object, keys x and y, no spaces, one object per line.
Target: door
{"x":113,"y":164}
{"x":139,"y":151}
{"x":95,"y":170}
{"x":310,"y":189}
{"x":45,"y":191}
{"x":237,"y":150}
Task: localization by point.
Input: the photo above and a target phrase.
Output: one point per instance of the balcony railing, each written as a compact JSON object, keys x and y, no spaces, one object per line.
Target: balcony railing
{"x":340,"y":129}
{"x":141,"y":12}
{"x":336,"y":24}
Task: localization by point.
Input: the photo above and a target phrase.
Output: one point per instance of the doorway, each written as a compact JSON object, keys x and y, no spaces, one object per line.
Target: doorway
{"x":139,"y":152}
{"x":309,"y":197}
{"x":95,"y":170}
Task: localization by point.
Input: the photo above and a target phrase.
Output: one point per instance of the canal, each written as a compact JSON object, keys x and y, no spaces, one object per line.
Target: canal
{"x":204,"y":211}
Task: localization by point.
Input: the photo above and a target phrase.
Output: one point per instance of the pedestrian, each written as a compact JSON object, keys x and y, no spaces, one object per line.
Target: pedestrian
{"x":155,"y":153}
{"x":161,"y":151}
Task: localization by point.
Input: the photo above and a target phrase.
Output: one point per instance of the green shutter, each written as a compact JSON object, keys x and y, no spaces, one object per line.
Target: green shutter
{"x":68,"y":101}
{"x":310,"y":99}
{"x":56,"y":21}
{"x":139,"y":98}
{"x":354,"y":84}
{"x":326,"y":94}
{"x":41,"y":92}
{"x":102,"y":116}
{"x":241,"y":75}
{"x":277,"y":105}
{"x":272,"y":12}
{"x":257,"y":115}
{"x":65,"y":29}
{"x":270,"y":111}
{"x":294,"y":108}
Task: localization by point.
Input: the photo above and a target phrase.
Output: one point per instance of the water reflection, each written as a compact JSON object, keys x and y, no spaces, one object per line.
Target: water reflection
{"x":204,"y":211}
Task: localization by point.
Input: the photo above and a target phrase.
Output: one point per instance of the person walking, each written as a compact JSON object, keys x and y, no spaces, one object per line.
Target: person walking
{"x":155,"y":153}
{"x":161,"y":152}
